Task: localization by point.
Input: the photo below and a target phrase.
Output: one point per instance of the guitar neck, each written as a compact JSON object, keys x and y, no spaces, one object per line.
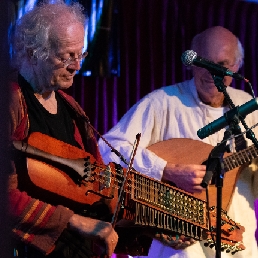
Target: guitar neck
{"x":240,"y":158}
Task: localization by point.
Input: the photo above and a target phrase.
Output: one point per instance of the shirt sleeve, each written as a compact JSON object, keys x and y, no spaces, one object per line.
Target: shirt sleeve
{"x":34,"y":222}
{"x":37,"y":223}
{"x":141,"y":118}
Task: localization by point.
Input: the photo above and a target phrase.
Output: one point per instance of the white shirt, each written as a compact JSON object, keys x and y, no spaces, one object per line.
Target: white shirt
{"x":177,"y":112}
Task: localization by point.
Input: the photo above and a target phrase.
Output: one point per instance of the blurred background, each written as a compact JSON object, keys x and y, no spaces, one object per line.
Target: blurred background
{"x":134,"y":46}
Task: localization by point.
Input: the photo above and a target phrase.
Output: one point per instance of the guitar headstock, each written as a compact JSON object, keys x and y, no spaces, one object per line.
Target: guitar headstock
{"x":231,"y":233}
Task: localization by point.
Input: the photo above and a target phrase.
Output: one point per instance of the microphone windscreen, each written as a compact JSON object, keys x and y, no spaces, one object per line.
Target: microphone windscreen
{"x":188,"y":57}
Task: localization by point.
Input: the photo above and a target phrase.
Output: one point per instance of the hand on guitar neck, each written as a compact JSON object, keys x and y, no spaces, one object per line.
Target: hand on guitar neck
{"x":187,"y":177}
{"x":95,"y":229}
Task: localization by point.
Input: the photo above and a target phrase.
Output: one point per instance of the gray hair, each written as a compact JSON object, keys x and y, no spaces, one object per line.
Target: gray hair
{"x":240,"y":53}
{"x":35,"y":30}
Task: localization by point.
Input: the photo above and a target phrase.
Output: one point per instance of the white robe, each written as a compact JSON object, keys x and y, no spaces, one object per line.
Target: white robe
{"x":177,"y":112}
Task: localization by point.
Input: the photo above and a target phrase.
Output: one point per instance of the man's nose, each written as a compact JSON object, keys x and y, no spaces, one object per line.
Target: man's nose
{"x":76,"y":65}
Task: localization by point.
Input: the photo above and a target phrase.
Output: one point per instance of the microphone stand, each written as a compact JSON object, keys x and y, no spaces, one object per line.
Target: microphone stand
{"x":215,"y":160}
{"x":215,"y":166}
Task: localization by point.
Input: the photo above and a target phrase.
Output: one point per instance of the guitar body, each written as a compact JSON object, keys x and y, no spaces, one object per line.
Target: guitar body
{"x":189,"y":151}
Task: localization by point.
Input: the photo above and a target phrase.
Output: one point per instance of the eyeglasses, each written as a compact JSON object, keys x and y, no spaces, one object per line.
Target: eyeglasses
{"x":72,"y":60}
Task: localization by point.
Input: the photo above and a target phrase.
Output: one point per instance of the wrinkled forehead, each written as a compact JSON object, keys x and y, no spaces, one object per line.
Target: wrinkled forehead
{"x":67,"y":35}
{"x":218,"y":44}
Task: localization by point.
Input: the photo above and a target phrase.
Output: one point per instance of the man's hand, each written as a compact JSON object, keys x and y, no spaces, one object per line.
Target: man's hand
{"x":176,"y":242}
{"x":187,"y":177}
{"x":95,"y":229}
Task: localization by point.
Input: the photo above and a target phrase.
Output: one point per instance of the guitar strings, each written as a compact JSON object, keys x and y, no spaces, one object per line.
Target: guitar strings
{"x":154,"y":198}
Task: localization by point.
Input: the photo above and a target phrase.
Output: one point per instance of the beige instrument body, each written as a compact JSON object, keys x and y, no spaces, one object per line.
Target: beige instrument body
{"x":189,"y":151}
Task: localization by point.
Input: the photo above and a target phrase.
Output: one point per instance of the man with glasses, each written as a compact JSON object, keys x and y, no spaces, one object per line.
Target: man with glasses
{"x":48,"y":46}
{"x":179,"y":111}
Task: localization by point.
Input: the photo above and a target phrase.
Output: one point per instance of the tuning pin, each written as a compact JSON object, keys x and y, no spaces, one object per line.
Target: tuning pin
{"x":209,"y":242}
{"x":226,"y":248}
{"x":235,"y":249}
{"x":231,"y":229}
{"x":211,"y":245}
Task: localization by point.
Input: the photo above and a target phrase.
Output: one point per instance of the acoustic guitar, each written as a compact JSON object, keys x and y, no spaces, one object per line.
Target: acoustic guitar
{"x":73,"y":177}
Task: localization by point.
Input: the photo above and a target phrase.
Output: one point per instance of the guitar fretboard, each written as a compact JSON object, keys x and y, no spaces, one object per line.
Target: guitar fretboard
{"x":240,"y":158}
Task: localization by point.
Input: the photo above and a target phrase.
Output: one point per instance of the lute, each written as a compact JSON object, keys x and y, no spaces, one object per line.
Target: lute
{"x":189,"y":151}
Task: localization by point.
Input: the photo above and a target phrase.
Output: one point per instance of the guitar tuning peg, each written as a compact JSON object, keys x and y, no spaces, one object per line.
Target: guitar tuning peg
{"x":226,"y":247}
{"x":231,"y":229}
{"x":211,"y":245}
{"x":236,"y":249}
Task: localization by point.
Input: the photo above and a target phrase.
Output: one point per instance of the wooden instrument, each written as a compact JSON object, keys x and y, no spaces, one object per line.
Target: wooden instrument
{"x":147,"y":203}
{"x":188,"y":151}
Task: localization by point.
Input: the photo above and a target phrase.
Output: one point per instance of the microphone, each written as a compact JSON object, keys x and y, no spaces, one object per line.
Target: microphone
{"x":189,"y":57}
{"x":227,"y":118}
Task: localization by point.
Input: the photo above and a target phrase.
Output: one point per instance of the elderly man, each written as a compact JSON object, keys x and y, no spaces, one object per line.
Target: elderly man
{"x":179,"y":111}
{"x":48,"y":48}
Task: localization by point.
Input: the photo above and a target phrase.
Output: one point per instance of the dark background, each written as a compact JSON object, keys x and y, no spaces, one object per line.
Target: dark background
{"x":137,"y":46}
{"x":153,"y":36}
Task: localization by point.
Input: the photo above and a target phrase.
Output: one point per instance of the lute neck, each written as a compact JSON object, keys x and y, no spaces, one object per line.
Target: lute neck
{"x":240,"y":158}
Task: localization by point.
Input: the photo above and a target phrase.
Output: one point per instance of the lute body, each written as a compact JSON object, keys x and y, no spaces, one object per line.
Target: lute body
{"x":188,"y":151}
